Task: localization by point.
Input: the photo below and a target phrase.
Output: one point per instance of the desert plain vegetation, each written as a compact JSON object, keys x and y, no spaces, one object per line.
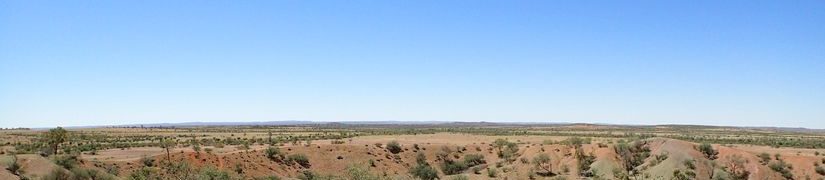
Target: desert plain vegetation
{"x":413,"y":151}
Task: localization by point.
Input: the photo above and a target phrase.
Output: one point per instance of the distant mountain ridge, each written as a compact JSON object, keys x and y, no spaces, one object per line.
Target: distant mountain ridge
{"x":422,"y":123}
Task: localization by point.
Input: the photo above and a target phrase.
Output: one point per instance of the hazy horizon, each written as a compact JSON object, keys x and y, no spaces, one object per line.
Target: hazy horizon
{"x":730,"y":63}
{"x":292,"y":122}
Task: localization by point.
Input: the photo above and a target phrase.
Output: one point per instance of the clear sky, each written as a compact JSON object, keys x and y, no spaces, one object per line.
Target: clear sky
{"x":743,"y":63}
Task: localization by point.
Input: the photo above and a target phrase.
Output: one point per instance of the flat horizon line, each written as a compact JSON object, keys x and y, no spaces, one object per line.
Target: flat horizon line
{"x":394,"y":122}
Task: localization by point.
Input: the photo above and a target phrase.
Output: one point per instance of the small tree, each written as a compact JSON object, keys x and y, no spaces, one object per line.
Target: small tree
{"x":542,"y":162}
{"x":270,"y":138}
{"x":708,"y":151}
{"x":506,"y":149}
{"x":500,"y":144}
{"x":55,"y":137}
{"x":632,"y":155}
{"x":197,"y":149}
{"x":168,"y":144}
{"x":736,"y":167}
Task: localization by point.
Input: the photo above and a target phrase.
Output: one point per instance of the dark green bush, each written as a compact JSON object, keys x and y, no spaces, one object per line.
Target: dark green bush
{"x":300,"y":159}
{"x":66,"y":161}
{"x":820,"y":170}
{"x":424,"y":172}
{"x":453,"y":167}
{"x":474,"y":160}
{"x":394,"y":147}
{"x":273,"y":153}
{"x":708,"y":151}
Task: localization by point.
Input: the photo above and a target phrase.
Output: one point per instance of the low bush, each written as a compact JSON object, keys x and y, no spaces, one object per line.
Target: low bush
{"x":394,"y":147}
{"x":459,"y":177}
{"x":708,"y":151}
{"x":474,"y":159}
{"x":13,"y":166}
{"x":147,"y":161}
{"x":492,"y":172}
{"x":66,"y":161}
{"x":300,"y":159}
{"x":782,"y":168}
{"x":764,"y":158}
{"x":273,"y":153}
{"x":361,"y":173}
{"x":424,"y":172}
{"x":453,"y":167}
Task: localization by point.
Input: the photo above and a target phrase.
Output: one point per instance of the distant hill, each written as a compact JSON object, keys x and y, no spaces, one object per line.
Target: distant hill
{"x":440,"y":124}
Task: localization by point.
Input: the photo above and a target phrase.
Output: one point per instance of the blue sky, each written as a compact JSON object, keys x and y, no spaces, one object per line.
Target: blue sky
{"x":743,"y":63}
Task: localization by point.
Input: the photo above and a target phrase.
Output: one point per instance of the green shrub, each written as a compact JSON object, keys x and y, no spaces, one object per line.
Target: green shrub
{"x":689,"y":164}
{"x":492,"y":172}
{"x":506,"y":150}
{"x":394,"y":147}
{"x":420,"y":158}
{"x":360,"y":173}
{"x":239,"y":168}
{"x":782,"y":168}
{"x":83,"y":173}
{"x":337,"y":141}
{"x":66,"y":161}
{"x":542,"y":162}
{"x":632,"y":155}
{"x":213,"y":174}
{"x":683,"y":175}
{"x":459,"y":177}
{"x":453,"y":167}
{"x":58,"y":174}
{"x":147,"y":161}
{"x":13,"y":166}
{"x":424,"y":172}
{"x":307,"y":175}
{"x":269,"y":178}
{"x":820,"y":170}
{"x":300,"y":159}
{"x":764,"y":158}
{"x":584,"y":162}
{"x":112,"y":169}
{"x":576,"y":142}
{"x":144,"y":173}
{"x":708,"y":151}
{"x":273,"y":153}
{"x":474,"y":159}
